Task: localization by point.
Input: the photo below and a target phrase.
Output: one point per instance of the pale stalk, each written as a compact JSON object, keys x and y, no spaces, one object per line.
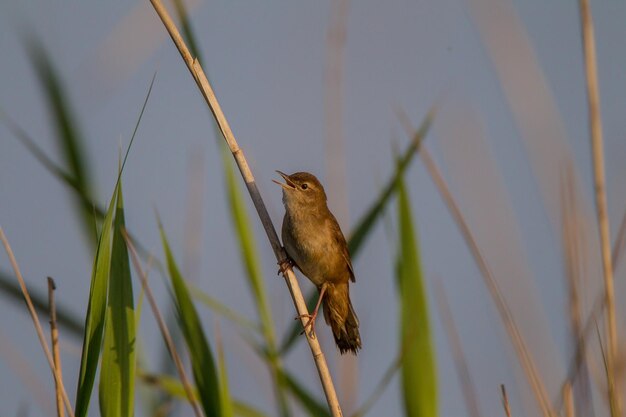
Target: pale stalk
{"x":207,"y":91}
{"x":597,"y":149}
{"x":56,"y":354}
{"x":35,"y":318}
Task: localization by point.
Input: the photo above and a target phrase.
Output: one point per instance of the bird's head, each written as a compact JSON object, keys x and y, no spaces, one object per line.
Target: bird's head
{"x":301,"y":190}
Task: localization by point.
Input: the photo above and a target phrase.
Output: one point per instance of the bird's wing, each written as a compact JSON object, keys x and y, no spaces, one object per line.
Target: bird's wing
{"x":341,"y":242}
{"x":346,"y":256}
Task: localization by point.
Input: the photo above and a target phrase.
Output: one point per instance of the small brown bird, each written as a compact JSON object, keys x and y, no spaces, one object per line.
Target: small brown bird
{"x":317,"y":247}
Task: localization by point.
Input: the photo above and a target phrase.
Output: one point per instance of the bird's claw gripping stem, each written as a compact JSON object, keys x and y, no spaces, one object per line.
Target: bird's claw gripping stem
{"x":285,"y":264}
{"x":310,"y":323}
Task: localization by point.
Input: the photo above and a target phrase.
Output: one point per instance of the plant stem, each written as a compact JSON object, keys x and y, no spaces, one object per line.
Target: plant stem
{"x":203,"y":84}
{"x":597,"y":149}
{"x":56,"y":354}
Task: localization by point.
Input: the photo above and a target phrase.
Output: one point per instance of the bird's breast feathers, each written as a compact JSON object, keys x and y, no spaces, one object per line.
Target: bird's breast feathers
{"x":314,"y":249}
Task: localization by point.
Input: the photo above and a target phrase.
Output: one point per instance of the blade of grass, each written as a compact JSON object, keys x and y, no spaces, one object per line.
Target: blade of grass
{"x":245,"y":410}
{"x":202,"y":363}
{"x":70,"y":141}
{"x":117,"y":372}
{"x":367,"y":221}
{"x":96,"y":310}
{"x":524,"y":356}
{"x":174,"y":388}
{"x":223,"y":310}
{"x":225,"y":397}
{"x":314,"y":407}
{"x":64,"y":317}
{"x":419,"y":382}
{"x":244,"y":235}
{"x":249,"y":253}
{"x":364,"y":225}
{"x":380,"y":387}
{"x":189,"y":390}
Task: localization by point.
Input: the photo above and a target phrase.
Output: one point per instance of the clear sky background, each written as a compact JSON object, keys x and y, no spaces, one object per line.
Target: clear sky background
{"x":508,"y":80}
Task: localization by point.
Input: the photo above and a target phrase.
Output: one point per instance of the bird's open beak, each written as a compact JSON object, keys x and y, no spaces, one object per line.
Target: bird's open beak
{"x":289,"y":184}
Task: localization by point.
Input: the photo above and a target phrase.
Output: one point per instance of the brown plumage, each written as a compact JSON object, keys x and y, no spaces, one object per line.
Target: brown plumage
{"x":314,"y":241}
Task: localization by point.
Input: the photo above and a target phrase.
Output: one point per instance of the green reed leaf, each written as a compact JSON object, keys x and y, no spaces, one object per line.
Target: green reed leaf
{"x":418,"y":371}
{"x":202,"y":362}
{"x":95,"y":318}
{"x":117,"y":372}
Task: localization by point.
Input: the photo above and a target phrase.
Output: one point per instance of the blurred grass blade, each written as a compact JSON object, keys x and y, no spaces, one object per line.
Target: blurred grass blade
{"x":245,"y":410}
{"x":226,"y":399}
{"x":117,"y":372}
{"x":247,"y":246}
{"x":244,"y":233}
{"x":166,"y":383}
{"x":187,"y":31}
{"x":69,"y":139}
{"x":65,"y":318}
{"x":97,"y":303}
{"x":96,"y":308}
{"x":173,"y":387}
{"x":419,"y":383}
{"x":364,"y":225}
{"x":295,"y":331}
{"x":202,"y":363}
{"x":223,"y":310}
{"x":314,"y":407}
{"x":368,"y":220}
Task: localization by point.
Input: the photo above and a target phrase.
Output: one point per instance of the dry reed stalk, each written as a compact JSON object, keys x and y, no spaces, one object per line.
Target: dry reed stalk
{"x":517,"y":340}
{"x":336,"y":36}
{"x":575,"y":263}
{"x":56,"y":355}
{"x":462,"y":370}
{"x":38,"y":328}
{"x":597,"y":149}
{"x":568,"y":401}
{"x":207,"y":92}
{"x":163,"y":328}
{"x":619,"y":244}
{"x":598,"y":306}
{"x":505,"y":401}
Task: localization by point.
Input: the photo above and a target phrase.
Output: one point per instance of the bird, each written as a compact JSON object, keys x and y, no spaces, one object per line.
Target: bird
{"x":315,"y":244}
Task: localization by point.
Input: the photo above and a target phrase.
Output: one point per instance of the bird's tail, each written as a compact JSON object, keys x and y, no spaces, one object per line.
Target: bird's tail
{"x":340,"y":315}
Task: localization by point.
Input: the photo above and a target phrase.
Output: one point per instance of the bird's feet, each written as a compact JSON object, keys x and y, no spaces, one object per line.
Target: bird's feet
{"x":310,"y":323}
{"x":285,"y":264}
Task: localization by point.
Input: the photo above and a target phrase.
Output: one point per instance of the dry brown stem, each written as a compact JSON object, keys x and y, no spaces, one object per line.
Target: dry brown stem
{"x":38,"y":328}
{"x":462,"y":370}
{"x":597,"y":149}
{"x":56,"y":355}
{"x":568,"y":401}
{"x":505,"y":401}
{"x":207,"y":91}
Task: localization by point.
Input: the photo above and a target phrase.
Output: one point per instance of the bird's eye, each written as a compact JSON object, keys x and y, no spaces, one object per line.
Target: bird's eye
{"x":305,"y":186}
